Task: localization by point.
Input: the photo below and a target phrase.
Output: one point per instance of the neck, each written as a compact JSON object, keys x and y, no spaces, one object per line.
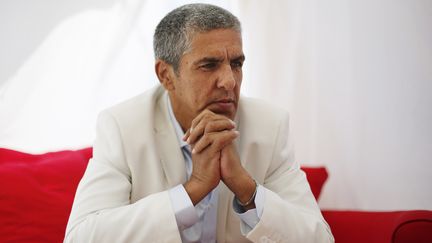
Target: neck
{"x":180,"y":115}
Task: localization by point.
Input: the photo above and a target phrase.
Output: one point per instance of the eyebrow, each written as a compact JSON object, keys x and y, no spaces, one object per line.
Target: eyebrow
{"x":239,"y":58}
{"x":208,"y":59}
{"x":215,"y":59}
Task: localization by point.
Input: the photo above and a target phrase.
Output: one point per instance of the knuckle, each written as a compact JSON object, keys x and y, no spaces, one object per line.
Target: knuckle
{"x":206,"y":119}
{"x":194,"y":120}
{"x":227,"y":123}
{"x":230,"y":135}
{"x":235,"y":134}
{"x":218,"y":142}
{"x":210,"y":127}
{"x":197,"y":129}
{"x":198,"y":146}
{"x":205,"y":138}
{"x":193,"y":124}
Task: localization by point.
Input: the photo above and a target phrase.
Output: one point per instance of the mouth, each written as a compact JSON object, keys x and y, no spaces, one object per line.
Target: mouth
{"x":225,"y":100}
{"x":226,"y":106}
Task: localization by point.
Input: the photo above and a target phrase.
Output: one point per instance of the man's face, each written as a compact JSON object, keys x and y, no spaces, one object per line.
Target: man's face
{"x":209,"y":76}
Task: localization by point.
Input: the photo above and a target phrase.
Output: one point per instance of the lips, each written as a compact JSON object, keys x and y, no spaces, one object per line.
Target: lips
{"x":223,"y":106}
{"x":226,"y":100}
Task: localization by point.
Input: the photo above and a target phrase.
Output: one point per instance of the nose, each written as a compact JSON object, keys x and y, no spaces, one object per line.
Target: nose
{"x":226,"y":80}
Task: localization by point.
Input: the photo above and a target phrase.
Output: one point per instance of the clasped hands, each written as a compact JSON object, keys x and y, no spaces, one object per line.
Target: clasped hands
{"x":214,"y":158}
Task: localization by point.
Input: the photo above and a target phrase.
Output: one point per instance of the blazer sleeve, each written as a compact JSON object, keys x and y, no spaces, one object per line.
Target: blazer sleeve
{"x":102,"y":211}
{"x":290,"y":212}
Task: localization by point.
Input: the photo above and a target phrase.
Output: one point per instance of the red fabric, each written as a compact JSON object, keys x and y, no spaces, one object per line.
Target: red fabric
{"x":316,"y":177}
{"x":37,"y":192}
{"x":378,"y":227}
{"x":415,"y":226}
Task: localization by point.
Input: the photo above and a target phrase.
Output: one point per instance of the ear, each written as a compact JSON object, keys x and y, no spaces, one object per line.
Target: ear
{"x":165,"y":74}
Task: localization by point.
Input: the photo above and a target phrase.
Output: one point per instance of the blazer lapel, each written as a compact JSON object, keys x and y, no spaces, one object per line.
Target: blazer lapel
{"x":168,"y":147}
{"x":222,"y":215}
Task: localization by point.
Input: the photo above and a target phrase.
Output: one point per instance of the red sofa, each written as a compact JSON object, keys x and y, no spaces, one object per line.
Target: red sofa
{"x":36,"y":194}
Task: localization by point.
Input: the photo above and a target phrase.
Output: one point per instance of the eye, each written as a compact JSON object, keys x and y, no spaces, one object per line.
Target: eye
{"x":236,"y":64}
{"x":208,"y":66}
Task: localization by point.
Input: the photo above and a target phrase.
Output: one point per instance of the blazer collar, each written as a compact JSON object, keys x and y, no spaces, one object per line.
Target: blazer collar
{"x":167,"y":144}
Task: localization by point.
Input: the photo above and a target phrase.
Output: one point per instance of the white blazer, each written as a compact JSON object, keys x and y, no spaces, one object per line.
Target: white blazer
{"x":123,"y":195}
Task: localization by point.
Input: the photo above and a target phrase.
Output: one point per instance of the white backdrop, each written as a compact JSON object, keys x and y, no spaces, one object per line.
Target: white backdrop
{"x":355,"y":75}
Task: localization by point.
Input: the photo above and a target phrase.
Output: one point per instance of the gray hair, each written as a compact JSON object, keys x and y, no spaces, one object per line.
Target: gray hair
{"x":174,"y":32}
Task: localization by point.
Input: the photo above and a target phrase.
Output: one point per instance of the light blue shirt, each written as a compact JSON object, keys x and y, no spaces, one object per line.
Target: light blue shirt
{"x":198,"y":224}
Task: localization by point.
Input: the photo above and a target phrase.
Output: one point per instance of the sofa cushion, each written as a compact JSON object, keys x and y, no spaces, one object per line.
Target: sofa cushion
{"x":360,"y":227}
{"x":37,"y":192}
{"x":376,"y":227}
{"x":413,"y":226}
{"x":316,"y":177}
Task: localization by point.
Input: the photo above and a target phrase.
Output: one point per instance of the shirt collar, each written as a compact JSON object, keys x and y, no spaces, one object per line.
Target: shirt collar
{"x":178,"y":130}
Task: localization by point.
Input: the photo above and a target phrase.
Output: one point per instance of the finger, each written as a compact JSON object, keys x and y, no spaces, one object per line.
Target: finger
{"x":206,"y":126}
{"x":219,"y":125}
{"x":200,"y":116}
{"x":215,"y":141}
{"x":222,"y":139}
{"x":206,"y":114}
{"x":202,"y":144}
{"x":195,"y":121}
{"x":186,"y":136}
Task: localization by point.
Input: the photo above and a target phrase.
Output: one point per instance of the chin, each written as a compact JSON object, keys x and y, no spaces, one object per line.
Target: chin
{"x":226,"y":109}
{"x":228,"y":114}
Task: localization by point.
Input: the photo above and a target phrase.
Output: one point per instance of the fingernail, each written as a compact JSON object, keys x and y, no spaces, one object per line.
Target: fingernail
{"x":193,"y":151}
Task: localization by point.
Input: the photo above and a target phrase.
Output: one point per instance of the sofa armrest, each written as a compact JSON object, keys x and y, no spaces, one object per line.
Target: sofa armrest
{"x":371,"y":227}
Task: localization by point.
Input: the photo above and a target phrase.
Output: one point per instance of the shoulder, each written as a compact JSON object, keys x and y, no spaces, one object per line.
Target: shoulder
{"x":136,"y":108}
{"x":132,"y":121}
{"x":142,"y":101}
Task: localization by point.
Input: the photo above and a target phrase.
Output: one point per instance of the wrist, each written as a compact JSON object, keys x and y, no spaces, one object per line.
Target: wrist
{"x":244,"y":189}
{"x":251,"y":200}
{"x":196,"y":191}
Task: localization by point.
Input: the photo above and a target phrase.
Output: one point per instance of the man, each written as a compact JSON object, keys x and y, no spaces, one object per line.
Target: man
{"x":191,"y":161}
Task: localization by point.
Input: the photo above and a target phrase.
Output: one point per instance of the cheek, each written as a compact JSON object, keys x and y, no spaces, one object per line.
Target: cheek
{"x":196,"y":94}
{"x":201,"y":95}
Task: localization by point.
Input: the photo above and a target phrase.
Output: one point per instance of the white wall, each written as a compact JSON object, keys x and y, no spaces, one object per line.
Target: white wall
{"x":25,"y":24}
{"x":373,"y":81}
{"x":356,"y":76}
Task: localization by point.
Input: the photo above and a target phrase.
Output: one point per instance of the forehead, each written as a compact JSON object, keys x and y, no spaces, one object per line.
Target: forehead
{"x":219,"y":42}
